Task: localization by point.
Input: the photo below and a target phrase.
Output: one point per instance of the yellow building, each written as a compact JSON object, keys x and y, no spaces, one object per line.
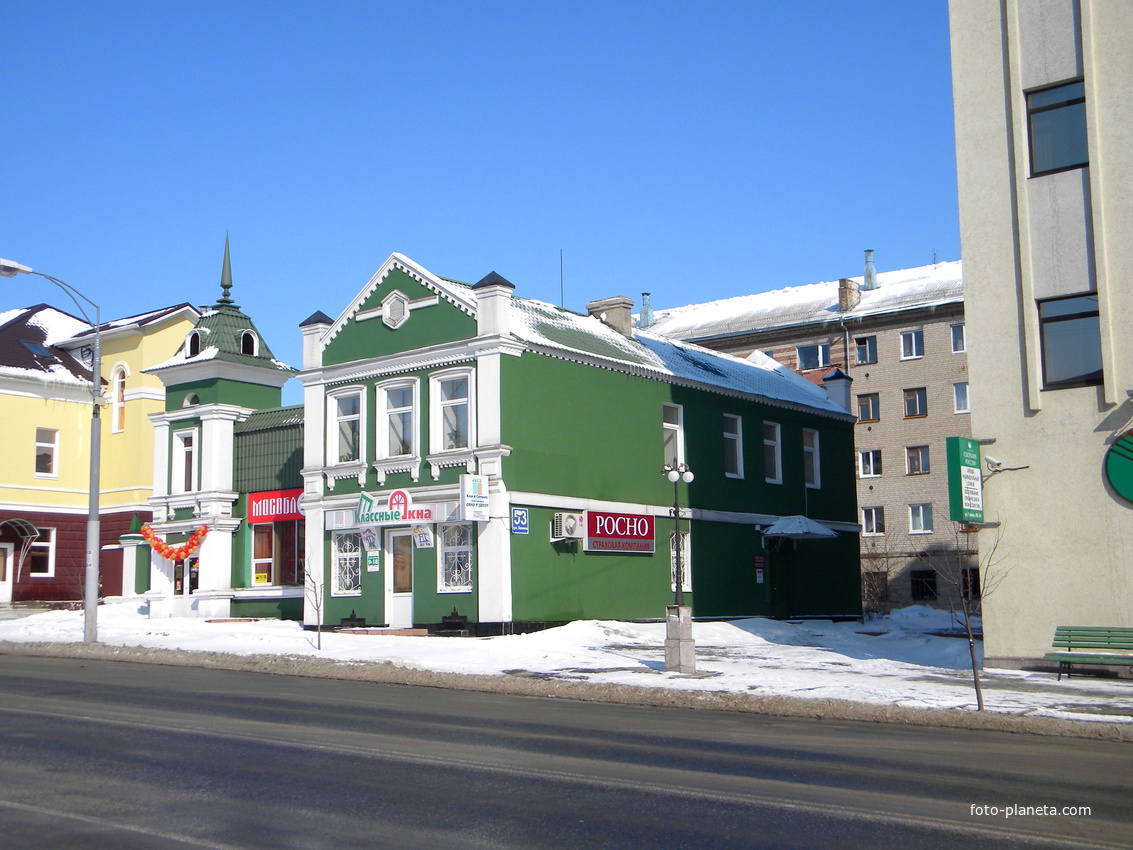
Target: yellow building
{"x":45,"y":427}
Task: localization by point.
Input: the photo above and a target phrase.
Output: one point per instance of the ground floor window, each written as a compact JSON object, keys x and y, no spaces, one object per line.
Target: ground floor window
{"x":970,"y":583}
{"x":278,"y":553}
{"x":346,"y":563}
{"x":923,"y":584}
{"x":41,"y":554}
{"x":455,"y":560}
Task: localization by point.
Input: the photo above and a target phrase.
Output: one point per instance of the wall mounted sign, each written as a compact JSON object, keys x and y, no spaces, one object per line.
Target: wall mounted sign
{"x":474,"y":498}
{"x":965,"y":480}
{"x":520,"y":521}
{"x":275,"y":506}
{"x":609,"y":532}
{"x":1119,"y":466}
{"x":399,"y":510}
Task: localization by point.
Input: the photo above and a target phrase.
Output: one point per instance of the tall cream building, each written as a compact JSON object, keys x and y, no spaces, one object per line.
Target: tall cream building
{"x":1043,"y":95}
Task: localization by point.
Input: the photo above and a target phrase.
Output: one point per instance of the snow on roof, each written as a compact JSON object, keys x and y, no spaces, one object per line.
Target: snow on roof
{"x":906,"y":289}
{"x":586,"y":339}
{"x":57,"y":325}
{"x":140,"y":319}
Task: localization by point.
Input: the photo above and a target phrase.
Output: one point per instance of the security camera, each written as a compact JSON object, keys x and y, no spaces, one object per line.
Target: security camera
{"x":992,"y":463}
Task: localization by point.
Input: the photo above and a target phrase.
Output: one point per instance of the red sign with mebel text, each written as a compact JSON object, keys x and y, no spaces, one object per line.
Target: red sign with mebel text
{"x":609,"y":532}
{"x":274,"y":506}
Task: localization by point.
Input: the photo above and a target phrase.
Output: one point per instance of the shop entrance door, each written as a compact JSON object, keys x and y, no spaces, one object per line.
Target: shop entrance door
{"x":7,"y":566}
{"x":399,"y":579}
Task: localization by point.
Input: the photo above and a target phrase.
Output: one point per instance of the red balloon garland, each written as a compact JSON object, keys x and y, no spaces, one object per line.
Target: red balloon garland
{"x":175,"y":553}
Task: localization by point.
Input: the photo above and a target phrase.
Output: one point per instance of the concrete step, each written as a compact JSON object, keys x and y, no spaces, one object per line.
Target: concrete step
{"x":16,"y":610}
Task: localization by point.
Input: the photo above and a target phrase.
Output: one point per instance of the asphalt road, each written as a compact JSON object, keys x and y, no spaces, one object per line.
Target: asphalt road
{"x":115,"y":755}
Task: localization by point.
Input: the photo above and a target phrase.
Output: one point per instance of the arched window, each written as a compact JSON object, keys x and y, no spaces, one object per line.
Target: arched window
{"x":118,"y":399}
{"x":194,"y":343}
{"x":191,"y":400}
{"x":248,"y":343}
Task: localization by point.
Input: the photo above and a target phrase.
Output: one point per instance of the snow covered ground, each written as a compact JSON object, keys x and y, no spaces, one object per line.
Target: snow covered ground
{"x":895,"y":660}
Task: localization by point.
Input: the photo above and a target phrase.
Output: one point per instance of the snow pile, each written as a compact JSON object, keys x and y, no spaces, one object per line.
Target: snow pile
{"x":898,"y":660}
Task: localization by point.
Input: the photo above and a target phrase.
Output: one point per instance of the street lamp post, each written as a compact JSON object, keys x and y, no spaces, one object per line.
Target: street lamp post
{"x":9,"y":268}
{"x":680,"y":650}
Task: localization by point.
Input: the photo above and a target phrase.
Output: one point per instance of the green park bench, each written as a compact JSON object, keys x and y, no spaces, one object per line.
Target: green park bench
{"x":1091,"y":645}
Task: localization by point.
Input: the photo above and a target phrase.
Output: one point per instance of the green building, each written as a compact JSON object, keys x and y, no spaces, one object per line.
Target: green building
{"x":466,"y":450}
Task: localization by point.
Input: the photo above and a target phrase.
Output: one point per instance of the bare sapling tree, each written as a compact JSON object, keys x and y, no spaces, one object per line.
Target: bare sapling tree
{"x":314,"y":598}
{"x":879,"y":563}
{"x":972,"y":575}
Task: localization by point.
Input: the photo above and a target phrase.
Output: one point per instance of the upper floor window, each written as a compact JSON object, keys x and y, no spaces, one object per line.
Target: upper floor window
{"x":249,"y":344}
{"x":399,"y":438}
{"x":812,"y":475}
{"x":916,"y":460}
{"x":1070,"y":334}
{"x":451,"y":417}
{"x":960,"y":397}
{"x":344,"y":431}
{"x":920,"y":518}
{"x":869,"y":407}
{"x":184,"y":462}
{"x":733,"y":446}
{"x":814,"y":356}
{"x":772,"y":453}
{"x":916,"y":402}
{"x":867,"y":349}
{"x":912,"y":345}
{"x":46,"y":451}
{"x":869,"y":463}
{"x":193,"y":343}
{"x":873,"y":520}
{"x":118,"y":400}
{"x":1056,"y":118}
{"x":674,"y":439}
{"x":959,"y":342}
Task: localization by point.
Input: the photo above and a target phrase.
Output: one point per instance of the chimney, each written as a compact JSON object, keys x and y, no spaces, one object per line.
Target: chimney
{"x":617,"y":312}
{"x":313,"y":330}
{"x":870,"y":279}
{"x":646,"y":318}
{"x":848,"y":295}
{"x":493,"y":305}
{"x":837,"y":385}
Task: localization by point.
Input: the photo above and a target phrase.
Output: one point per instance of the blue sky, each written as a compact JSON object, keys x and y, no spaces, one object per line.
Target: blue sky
{"x":695,"y":150}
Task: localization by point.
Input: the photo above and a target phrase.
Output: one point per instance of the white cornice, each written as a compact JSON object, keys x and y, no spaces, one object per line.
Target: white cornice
{"x":374,"y":367}
{"x":44,"y":388}
{"x":204,"y":412}
{"x":223,"y":369}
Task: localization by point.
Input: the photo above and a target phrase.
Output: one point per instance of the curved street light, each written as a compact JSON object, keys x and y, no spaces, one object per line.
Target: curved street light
{"x":9,"y":268}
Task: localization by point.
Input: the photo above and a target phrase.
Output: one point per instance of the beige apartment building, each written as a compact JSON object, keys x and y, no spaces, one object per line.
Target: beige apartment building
{"x":1043,"y":94}
{"x":901,"y":338}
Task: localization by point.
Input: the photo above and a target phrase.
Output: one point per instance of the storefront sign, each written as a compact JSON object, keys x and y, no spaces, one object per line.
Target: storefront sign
{"x":965,"y":481}
{"x":423,"y":536}
{"x":1119,"y":466}
{"x":474,"y":498}
{"x":274,"y":506}
{"x":609,"y":532}
{"x":398,"y":510}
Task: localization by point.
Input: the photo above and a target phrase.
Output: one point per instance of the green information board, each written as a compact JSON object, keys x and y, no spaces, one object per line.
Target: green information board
{"x":965,"y":480}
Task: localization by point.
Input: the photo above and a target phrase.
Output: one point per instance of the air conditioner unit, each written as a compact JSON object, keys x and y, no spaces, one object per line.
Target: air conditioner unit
{"x":568,"y":526}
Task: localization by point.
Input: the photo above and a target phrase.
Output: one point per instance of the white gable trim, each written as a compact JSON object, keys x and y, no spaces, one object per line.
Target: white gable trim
{"x":465,"y":301}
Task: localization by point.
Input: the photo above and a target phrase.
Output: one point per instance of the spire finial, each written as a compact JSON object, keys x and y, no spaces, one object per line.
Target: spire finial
{"x":226,"y":276}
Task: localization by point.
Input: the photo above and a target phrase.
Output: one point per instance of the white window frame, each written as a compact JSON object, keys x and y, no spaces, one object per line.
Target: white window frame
{"x":384,"y":411}
{"x":912,"y":341}
{"x":823,"y":356}
{"x":53,"y":446}
{"x":874,"y":471}
{"x":774,"y":443}
{"x":185,"y":451}
{"x":963,"y":334}
{"x":437,"y":406}
{"x":734,"y":443}
{"x":338,"y":554}
{"x":333,"y":449}
{"x":118,"y":399}
{"x":445,"y":549}
{"x":922,"y":460}
{"x":677,"y":429}
{"x":870,"y":521}
{"x":917,"y":514}
{"x":46,"y":540}
{"x":248,"y":333}
{"x":966,"y":406}
{"x":812,"y":460}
